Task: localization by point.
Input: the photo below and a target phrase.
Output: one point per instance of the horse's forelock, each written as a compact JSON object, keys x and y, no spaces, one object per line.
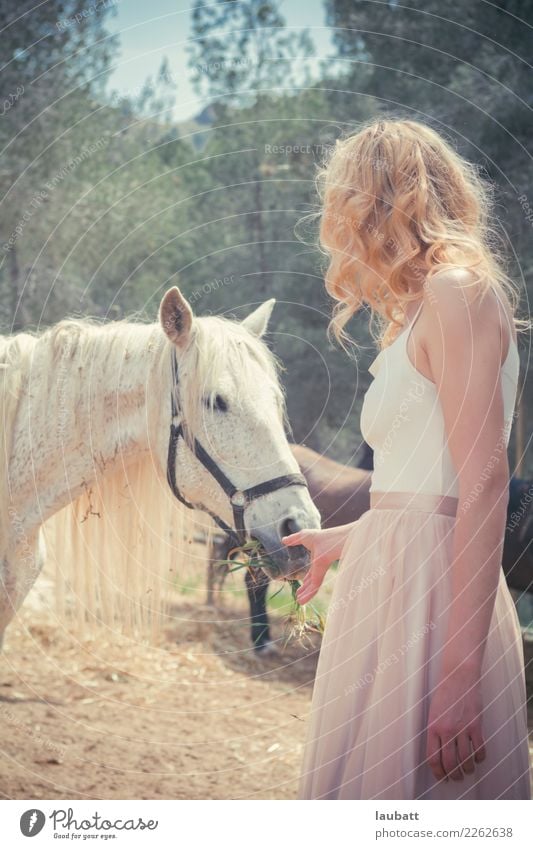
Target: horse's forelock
{"x":220,"y":348}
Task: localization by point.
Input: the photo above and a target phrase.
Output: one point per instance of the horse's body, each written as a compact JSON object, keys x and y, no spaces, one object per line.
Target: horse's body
{"x":517,"y":557}
{"x":83,"y":404}
{"x":341,"y":493}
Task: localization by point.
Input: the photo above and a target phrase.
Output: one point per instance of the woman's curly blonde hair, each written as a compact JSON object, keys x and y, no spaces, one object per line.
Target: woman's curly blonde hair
{"x":398,"y":205}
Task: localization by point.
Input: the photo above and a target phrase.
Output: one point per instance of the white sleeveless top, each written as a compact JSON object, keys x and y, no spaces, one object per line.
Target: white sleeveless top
{"x":402,"y":421}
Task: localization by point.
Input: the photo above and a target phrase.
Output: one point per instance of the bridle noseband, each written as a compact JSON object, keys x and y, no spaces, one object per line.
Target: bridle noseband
{"x":239,"y":498}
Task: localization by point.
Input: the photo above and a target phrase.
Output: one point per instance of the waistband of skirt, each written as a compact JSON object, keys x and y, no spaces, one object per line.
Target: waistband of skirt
{"x":424,"y":502}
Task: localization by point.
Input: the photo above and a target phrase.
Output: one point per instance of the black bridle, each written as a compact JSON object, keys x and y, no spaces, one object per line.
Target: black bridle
{"x":239,"y":498}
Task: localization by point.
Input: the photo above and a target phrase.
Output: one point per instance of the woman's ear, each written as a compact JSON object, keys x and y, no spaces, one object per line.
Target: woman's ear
{"x":176,"y":317}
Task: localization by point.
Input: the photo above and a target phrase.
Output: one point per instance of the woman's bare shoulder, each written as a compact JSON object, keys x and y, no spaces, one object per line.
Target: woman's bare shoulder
{"x":454,"y":285}
{"x":454,"y":299}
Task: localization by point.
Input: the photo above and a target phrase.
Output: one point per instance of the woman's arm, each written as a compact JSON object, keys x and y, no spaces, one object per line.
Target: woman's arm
{"x":462,"y":341}
{"x":324,"y":546}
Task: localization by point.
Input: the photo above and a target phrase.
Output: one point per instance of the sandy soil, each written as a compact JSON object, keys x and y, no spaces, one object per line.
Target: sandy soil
{"x":197,"y":717}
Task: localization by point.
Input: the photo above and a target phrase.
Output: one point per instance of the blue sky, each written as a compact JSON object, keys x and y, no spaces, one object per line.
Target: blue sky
{"x":150,"y":31}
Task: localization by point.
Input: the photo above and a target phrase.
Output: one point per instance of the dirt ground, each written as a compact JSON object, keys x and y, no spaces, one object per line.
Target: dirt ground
{"x":197,"y":717}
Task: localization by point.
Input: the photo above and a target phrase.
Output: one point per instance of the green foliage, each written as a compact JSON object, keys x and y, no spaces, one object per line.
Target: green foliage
{"x":51,"y":129}
{"x":239,"y":50}
{"x":104,"y":204}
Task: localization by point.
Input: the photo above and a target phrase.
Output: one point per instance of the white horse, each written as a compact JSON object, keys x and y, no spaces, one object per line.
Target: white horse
{"x":90,"y":409}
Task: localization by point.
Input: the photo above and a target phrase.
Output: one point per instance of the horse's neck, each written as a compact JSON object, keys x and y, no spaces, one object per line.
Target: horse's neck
{"x":83,"y":411}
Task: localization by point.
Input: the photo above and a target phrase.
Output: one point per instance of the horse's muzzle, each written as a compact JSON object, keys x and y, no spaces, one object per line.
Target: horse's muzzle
{"x":284,"y":563}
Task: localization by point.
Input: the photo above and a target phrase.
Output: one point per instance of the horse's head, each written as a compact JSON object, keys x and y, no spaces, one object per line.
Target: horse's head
{"x":229,"y":409}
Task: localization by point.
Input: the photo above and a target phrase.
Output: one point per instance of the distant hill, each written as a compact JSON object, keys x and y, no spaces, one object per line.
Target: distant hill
{"x":196,"y":129}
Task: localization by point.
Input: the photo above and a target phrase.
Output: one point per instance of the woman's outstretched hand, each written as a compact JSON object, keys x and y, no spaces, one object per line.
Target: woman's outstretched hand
{"x":324,"y":547}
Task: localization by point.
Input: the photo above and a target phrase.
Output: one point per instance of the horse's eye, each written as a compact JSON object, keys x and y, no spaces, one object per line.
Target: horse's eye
{"x":218,"y":403}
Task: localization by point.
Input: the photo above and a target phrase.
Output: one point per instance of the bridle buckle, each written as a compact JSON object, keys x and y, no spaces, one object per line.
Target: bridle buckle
{"x":238,"y":499}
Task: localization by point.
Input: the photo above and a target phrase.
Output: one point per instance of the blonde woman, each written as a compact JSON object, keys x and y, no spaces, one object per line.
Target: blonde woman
{"x":419,"y":690}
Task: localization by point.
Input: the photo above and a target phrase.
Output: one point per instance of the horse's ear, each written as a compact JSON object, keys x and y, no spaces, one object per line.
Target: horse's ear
{"x":176,"y":317}
{"x":258,"y":320}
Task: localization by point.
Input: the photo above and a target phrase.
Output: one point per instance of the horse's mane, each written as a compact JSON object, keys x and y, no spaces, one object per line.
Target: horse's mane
{"x":15,"y":353}
{"x":125,"y":544}
{"x":120,"y":551}
{"x":217,"y":344}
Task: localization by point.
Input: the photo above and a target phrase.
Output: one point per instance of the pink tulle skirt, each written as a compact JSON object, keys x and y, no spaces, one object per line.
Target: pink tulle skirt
{"x":380,"y":660}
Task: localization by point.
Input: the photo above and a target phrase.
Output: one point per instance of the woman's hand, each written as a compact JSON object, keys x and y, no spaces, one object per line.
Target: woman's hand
{"x":324,"y":547}
{"x":455,"y":739}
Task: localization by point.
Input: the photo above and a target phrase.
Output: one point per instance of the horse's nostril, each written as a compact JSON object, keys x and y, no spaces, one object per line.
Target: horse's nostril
{"x":289,"y":526}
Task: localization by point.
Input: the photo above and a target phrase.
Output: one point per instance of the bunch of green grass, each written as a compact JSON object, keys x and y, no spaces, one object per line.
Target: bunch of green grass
{"x":298,"y":625}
